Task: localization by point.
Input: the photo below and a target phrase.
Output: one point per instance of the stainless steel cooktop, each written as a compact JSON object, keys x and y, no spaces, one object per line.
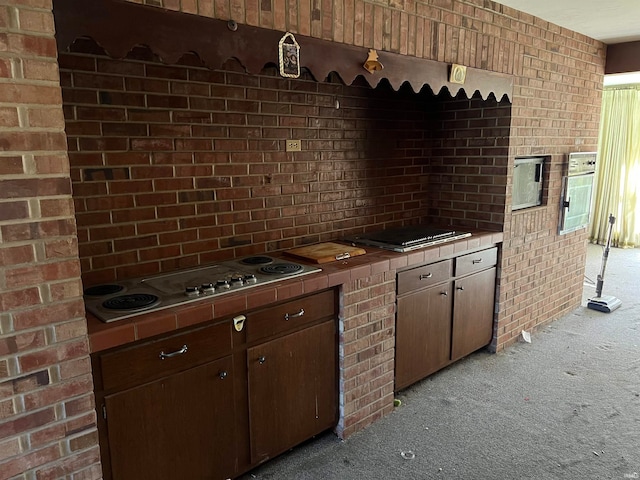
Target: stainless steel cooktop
{"x":125,"y":299}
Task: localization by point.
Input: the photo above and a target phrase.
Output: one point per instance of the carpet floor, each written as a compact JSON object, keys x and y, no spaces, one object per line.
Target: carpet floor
{"x":565,"y":406}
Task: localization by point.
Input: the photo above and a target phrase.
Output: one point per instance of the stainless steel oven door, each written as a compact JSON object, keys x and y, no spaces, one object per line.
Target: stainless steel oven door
{"x":577,"y":193}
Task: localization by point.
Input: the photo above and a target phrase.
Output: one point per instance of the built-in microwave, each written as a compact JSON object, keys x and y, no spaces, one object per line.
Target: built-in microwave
{"x":528,"y":175}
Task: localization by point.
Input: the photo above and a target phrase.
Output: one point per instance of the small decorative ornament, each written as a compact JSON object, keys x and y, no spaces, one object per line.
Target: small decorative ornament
{"x":457,"y":74}
{"x":372,"y":64}
{"x":289,"y":56}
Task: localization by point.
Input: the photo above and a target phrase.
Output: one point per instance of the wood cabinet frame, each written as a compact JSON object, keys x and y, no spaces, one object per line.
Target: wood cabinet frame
{"x":214,"y":410}
{"x":445,"y":311}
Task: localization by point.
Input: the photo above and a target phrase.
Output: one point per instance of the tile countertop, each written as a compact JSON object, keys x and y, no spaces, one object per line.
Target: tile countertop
{"x":107,"y":335}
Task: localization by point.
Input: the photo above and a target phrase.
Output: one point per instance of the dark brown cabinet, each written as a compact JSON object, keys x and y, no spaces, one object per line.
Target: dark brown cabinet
{"x":292,"y":389}
{"x":181,"y":426}
{"x":473,"y":313}
{"x":211,"y":402}
{"x":444,"y":312}
{"x":166,"y":407}
{"x":423,"y":340}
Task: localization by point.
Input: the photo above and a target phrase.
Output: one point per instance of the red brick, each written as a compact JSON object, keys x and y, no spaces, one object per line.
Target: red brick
{"x":84,"y":441}
{"x":11,"y":166}
{"x":51,"y":163}
{"x":9,"y":448}
{"x":21,"y":464}
{"x":27,"y":422}
{"x":56,"y":207}
{"x":14,"y":210}
{"x":84,"y":463}
{"x":32,"y":45}
{"x":40,"y":70}
{"x":24,"y":297}
{"x":9,"y":117}
{"x":62,"y":291}
{"x":51,"y":356}
{"x":78,"y":367}
{"x":32,"y":141}
{"x":16,"y":255}
{"x":48,"y":314}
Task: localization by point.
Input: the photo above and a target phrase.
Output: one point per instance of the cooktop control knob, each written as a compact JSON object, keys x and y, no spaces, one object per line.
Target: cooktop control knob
{"x":207,"y":288}
{"x":192,"y":291}
{"x":237,"y":281}
{"x":222,"y":285}
{"x":250,"y":279}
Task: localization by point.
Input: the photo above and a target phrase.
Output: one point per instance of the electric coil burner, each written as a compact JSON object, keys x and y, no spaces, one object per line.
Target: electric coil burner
{"x":281,"y":269}
{"x":128,"y":298}
{"x":257,"y":260}
{"x":134,"y":301}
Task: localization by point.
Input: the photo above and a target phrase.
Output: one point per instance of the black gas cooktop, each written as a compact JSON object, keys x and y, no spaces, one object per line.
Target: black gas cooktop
{"x":405,"y":239}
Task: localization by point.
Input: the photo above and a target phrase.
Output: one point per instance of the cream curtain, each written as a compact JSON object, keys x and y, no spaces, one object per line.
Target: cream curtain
{"x":618,"y":174}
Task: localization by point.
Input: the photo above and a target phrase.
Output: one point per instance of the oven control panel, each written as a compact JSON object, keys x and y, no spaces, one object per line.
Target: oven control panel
{"x":581,"y":163}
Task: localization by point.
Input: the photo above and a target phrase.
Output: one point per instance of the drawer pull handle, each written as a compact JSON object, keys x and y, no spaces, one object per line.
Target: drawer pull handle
{"x":287,"y":316}
{"x":428,"y":275}
{"x":223,"y":374}
{"x":444,"y":294}
{"x":475,"y":262}
{"x":182,"y":351}
{"x":261,"y":360}
{"x":460,"y":288}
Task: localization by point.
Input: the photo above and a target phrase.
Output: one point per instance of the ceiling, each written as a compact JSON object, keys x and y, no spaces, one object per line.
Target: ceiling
{"x":611,"y":21}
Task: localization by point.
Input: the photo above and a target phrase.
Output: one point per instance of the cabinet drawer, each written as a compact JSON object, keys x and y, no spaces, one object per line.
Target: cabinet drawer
{"x":141,"y":363}
{"x":421,"y":277}
{"x":290,"y":315}
{"x":474,"y":262}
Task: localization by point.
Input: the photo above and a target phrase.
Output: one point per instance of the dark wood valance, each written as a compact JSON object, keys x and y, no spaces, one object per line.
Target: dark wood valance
{"x":118,"y":26}
{"x":623,"y":58}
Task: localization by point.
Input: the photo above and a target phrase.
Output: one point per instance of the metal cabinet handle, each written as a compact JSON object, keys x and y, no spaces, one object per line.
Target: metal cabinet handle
{"x":182,"y":351}
{"x":428,"y":275}
{"x":460,"y":288}
{"x":223,"y":374}
{"x":475,"y":262}
{"x":261,"y":360}
{"x":287,"y":316}
{"x":444,"y":294}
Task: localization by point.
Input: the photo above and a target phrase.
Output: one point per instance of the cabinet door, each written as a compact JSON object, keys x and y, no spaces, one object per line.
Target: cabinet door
{"x":473,"y":312}
{"x":423,"y":334}
{"x":181,"y":426}
{"x":292,"y":389}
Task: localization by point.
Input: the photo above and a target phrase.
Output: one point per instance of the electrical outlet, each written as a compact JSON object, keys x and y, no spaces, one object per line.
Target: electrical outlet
{"x":293,"y":146}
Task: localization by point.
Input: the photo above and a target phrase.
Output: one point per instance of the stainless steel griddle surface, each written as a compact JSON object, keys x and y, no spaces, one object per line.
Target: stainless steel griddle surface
{"x":404,"y":239}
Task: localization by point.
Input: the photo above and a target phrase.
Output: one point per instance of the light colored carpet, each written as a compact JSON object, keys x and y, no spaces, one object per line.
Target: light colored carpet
{"x":566,"y":406}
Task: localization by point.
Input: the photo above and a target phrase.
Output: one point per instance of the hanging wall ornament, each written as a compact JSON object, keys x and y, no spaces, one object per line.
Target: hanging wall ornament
{"x":289,"y":56}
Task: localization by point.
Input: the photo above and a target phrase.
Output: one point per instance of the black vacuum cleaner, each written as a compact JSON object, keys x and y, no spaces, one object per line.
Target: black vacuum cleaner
{"x":606,"y":303}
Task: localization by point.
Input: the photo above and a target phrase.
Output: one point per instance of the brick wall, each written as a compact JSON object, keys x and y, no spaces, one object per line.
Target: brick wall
{"x":47,"y":421}
{"x":367,"y":349}
{"x":179,"y":166}
{"x":469,"y":162}
{"x":555,"y":109}
{"x":46,"y":418}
